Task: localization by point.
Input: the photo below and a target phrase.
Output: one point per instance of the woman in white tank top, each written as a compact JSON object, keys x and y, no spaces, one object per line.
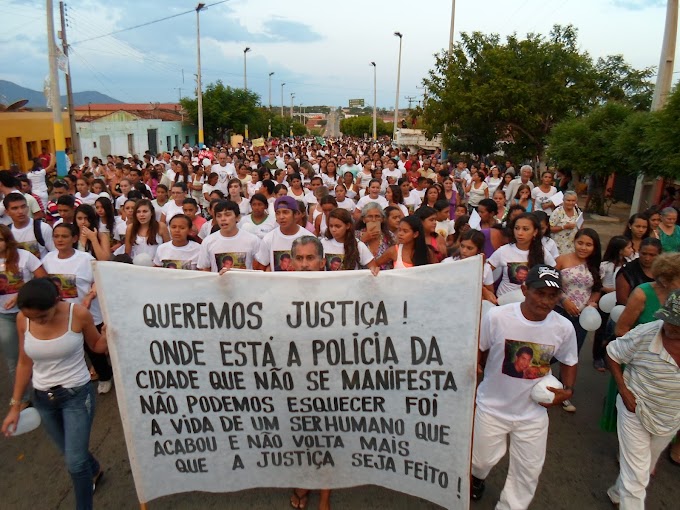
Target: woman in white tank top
{"x":51,"y":334}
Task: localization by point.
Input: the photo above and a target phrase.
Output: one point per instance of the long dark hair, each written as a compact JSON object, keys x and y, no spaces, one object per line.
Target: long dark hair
{"x":11,"y":249}
{"x":420,"y":246}
{"x":613,"y":251}
{"x":93,"y":221}
{"x":351,"y":259}
{"x":594,"y":259}
{"x":108,"y":213}
{"x":536,"y":253}
{"x":639,"y":216}
{"x":153,"y":223}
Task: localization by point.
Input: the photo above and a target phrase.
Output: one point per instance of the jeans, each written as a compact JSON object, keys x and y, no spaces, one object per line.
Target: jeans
{"x":67,"y":415}
{"x":9,"y":346}
{"x":580,"y":332}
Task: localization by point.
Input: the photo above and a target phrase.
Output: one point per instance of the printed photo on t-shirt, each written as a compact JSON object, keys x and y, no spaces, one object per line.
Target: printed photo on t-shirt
{"x":10,"y":283}
{"x":518,"y":272}
{"x":235,"y":260}
{"x":283,"y":261}
{"x":176,"y":264}
{"x":527,"y":360}
{"x":66,"y":283}
{"x":31,"y":246}
{"x":334,"y":261}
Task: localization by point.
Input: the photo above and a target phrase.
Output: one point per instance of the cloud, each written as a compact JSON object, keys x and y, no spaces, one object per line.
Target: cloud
{"x":638,"y":5}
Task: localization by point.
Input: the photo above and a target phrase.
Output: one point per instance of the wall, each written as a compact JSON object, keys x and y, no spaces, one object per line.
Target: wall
{"x":23,"y":134}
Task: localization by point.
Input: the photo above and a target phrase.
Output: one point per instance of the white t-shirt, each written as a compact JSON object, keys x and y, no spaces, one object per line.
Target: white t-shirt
{"x":206,"y":229}
{"x":540,"y":197}
{"x":395,"y":174}
{"x":38,"y":184}
{"x":515,"y":265}
{"x":275,"y":245}
{"x":181,"y":257}
{"x":505,"y":391}
{"x":244,"y":206}
{"x":347,"y":204}
{"x":550,"y":246}
{"x":120,"y":202}
{"x":413,"y":201}
{"x":367,"y":199}
{"x":445,"y":228}
{"x":120,"y":229}
{"x":10,"y":283}
{"x":259,"y":229}
{"x":334,"y":253}
{"x":237,"y":251}
{"x":171,"y":209}
{"x":76,"y":278}
{"x":90,"y":199}
{"x":157,"y":209}
{"x":224,"y":173}
{"x":25,"y":237}
{"x":487,"y":272}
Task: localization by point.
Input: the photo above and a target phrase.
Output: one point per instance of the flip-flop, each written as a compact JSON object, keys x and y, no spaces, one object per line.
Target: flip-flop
{"x":298,"y":501}
{"x":96,"y":479}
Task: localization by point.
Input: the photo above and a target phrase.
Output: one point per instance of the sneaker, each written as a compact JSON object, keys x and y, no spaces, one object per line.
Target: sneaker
{"x":599,"y":365}
{"x":104,"y":386}
{"x":566,"y":405}
{"x":477,"y":489}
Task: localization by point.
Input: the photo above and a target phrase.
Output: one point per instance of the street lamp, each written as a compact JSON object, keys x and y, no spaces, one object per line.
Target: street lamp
{"x":199,"y":94}
{"x":245,"y":75}
{"x":396,"y":101}
{"x":292,"y":96}
{"x":375,"y":94}
{"x":282,"y":99}
{"x":270,"y":89}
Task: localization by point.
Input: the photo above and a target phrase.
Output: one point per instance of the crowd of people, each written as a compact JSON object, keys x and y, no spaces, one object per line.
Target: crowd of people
{"x":351,"y":204}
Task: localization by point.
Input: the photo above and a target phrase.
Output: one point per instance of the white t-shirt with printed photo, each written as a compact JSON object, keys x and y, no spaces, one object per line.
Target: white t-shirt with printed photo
{"x":515,"y":265}
{"x":25,"y":238}
{"x":276,"y":245}
{"x":334,"y":254}
{"x":520,"y":352}
{"x":540,"y":197}
{"x":11,"y":282}
{"x":177,"y":257}
{"x":218,"y":251}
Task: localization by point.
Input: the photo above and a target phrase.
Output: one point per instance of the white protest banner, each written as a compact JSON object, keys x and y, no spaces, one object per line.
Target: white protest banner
{"x":310,"y":379}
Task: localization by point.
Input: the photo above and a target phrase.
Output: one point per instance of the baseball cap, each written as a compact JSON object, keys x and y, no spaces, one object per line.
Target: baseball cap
{"x":542,"y":275}
{"x":286,"y":203}
{"x":670,"y":311}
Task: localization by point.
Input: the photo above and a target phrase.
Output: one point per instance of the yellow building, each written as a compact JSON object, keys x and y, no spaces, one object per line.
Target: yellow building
{"x":24,"y":134}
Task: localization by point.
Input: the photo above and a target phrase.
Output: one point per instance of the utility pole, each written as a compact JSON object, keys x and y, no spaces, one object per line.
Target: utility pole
{"x":453,"y":16}
{"x":199,"y":90}
{"x":375,"y":95}
{"x":292,"y":97}
{"x":396,"y":101}
{"x":664,"y":79}
{"x":75,"y":139}
{"x":55,"y":100}
{"x":180,"y":93}
{"x":270,"y":90}
{"x":282,"y":99}
{"x":410,"y":100}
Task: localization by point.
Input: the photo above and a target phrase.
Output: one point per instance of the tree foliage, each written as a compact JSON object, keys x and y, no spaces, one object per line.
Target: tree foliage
{"x":516,"y":91}
{"x":363,"y":125}
{"x":227,"y":110}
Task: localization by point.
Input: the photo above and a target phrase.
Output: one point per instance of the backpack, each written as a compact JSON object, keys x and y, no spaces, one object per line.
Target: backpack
{"x":37,"y":232}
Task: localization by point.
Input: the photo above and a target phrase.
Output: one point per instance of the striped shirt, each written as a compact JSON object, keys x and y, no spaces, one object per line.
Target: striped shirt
{"x":652,"y":375}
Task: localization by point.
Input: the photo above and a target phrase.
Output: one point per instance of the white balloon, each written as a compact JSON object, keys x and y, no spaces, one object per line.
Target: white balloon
{"x":540,"y":392}
{"x":486,"y":306}
{"x":616,"y":312}
{"x":142,"y":259}
{"x":29,"y":420}
{"x":590,"y":319}
{"x":515,"y":296}
{"x":608,"y":302}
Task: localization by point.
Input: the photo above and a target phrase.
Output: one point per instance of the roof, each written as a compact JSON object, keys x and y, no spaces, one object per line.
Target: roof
{"x":128,"y":106}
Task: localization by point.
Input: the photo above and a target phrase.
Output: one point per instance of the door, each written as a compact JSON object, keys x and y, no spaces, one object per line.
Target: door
{"x":104,"y":145}
{"x":153,"y":140}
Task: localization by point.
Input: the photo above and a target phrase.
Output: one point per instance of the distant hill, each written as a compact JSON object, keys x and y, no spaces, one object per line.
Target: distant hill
{"x":11,"y":92}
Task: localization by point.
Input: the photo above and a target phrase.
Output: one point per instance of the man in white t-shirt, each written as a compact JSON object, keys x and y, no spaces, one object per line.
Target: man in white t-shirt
{"x":525,"y":174}
{"x":516,"y":345}
{"x":225,"y":170}
{"x":33,"y":237}
{"x":229,"y":247}
{"x":274,"y":252}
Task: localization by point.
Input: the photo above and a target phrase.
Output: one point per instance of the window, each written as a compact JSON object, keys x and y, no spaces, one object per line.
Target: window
{"x":32,"y":150}
{"x":131,"y":143}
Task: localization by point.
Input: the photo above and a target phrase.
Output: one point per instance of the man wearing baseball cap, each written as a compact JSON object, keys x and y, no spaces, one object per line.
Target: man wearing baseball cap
{"x":277,"y":243}
{"x":504,"y":404}
{"x":648,"y":403}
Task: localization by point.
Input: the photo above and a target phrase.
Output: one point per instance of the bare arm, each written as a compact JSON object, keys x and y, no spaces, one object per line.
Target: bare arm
{"x":23,"y":376}
{"x":389,"y":256}
{"x":630,"y":315}
{"x":95,"y":340}
{"x":627,"y":396}
{"x":568,"y":375}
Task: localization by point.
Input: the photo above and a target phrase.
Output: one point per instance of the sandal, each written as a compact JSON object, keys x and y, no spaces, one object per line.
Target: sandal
{"x":96,"y":479}
{"x":298,"y":500}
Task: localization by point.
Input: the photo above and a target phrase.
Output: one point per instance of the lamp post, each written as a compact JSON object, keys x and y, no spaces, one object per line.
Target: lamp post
{"x":199,"y":93}
{"x":375,"y":109}
{"x":282,"y":99}
{"x":270,"y":89}
{"x":453,"y":16}
{"x":245,"y":74}
{"x":292,"y":97}
{"x":396,"y":101}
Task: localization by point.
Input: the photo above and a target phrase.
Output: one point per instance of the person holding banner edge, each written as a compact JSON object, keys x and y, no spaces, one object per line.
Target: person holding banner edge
{"x":62,"y":394}
{"x":504,"y":404}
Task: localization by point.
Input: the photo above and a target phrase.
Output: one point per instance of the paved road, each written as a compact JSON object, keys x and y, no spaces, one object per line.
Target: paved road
{"x":580,"y":465}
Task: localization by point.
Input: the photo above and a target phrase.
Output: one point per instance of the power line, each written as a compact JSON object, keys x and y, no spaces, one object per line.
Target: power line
{"x":145,"y":24}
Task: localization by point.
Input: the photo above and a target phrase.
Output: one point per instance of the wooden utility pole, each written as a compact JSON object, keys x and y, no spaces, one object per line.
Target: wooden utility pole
{"x":75,"y":139}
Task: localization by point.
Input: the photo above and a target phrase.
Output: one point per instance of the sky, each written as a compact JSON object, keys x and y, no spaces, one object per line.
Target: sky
{"x":320,"y":49}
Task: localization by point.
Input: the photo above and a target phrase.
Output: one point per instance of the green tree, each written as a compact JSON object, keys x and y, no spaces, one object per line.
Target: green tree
{"x":516,"y":91}
{"x":358,"y":126}
{"x":587,"y":145}
{"x":225,"y":110}
{"x":661,"y":141}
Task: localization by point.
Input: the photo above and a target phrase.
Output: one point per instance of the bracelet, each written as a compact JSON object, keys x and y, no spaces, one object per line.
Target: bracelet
{"x":13,"y":402}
